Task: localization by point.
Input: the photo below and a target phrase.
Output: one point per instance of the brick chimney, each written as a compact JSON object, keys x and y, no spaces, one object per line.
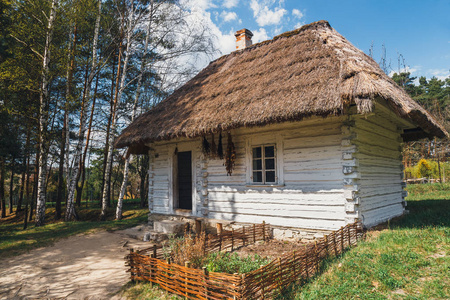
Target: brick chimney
{"x":243,"y":39}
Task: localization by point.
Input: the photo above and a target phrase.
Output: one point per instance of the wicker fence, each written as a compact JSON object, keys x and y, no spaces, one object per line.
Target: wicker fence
{"x":149,"y":265}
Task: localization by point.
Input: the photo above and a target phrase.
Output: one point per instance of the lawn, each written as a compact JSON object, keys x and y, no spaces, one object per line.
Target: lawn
{"x":408,"y":258}
{"x":405,"y":259}
{"x":15,"y":241}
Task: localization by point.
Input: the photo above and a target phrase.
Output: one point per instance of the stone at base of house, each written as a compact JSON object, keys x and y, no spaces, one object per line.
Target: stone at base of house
{"x":278,"y":232}
{"x":297,"y":234}
{"x":155,"y":236}
{"x":175,"y":227}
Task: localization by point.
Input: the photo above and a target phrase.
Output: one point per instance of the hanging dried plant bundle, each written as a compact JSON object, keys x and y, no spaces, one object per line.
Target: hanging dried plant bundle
{"x":176,"y":150}
{"x":206,"y":147}
{"x":220,"y":147}
{"x":230,"y":156}
{"x":213,"y":147}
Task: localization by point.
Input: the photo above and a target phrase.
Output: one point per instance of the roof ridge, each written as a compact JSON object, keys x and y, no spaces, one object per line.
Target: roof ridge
{"x":287,"y":34}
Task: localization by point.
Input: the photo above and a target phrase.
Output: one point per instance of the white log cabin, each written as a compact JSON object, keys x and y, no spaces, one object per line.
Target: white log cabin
{"x":317,"y":129}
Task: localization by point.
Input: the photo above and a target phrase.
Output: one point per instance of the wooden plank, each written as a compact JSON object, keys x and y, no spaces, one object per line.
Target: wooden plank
{"x":280,"y":221}
{"x":316,"y":212}
{"x":312,"y":142}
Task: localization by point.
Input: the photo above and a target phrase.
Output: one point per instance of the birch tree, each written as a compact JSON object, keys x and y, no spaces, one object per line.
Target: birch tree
{"x":43,"y":120}
{"x":70,"y":208}
{"x":135,"y":106}
{"x":129,"y":25}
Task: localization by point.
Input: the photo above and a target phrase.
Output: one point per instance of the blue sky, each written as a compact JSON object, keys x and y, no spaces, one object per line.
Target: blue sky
{"x":418,"y":30}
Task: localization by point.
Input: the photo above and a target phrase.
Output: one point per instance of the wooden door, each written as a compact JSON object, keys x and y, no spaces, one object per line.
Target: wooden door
{"x":184,"y":178}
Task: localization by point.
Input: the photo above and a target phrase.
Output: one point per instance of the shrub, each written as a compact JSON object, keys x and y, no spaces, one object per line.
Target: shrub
{"x":186,"y":249}
{"x":423,"y":169}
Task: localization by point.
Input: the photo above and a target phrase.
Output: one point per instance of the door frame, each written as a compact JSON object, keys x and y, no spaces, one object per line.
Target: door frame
{"x":173,"y":173}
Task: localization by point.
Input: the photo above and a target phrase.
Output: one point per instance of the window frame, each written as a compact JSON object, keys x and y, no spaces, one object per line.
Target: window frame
{"x":263,"y":169}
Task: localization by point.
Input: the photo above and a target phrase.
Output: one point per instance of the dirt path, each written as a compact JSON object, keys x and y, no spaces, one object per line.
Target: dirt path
{"x":87,"y":266}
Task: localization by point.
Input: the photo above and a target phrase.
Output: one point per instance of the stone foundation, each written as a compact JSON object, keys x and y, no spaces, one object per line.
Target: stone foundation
{"x":278,"y":232}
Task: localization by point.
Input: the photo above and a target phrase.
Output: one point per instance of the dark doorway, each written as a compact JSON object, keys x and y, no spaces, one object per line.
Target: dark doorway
{"x":184,"y":180}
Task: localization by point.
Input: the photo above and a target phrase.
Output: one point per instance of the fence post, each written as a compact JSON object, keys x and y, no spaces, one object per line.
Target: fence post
{"x":263,"y":294}
{"x":254,"y":233}
{"x":280,"y":283}
{"x":241,"y":287}
{"x":305,"y":257}
{"x":187,"y":265}
{"x":219,"y":228}
{"x":154,"y":251}
{"x":326,"y":244}
{"x":294,"y":262}
{"x":232,"y":239}
{"x":264,"y":230}
{"x":219,"y":233}
{"x":334,"y":243}
{"x":235,"y":287}
{"x":198,"y":227}
{"x":151,"y":269}
{"x":342,"y":239}
{"x":205,"y":278}
{"x":132,"y":265}
{"x":316,"y":255}
{"x":349,"y":236}
{"x":243,"y":236}
{"x":204,"y":244}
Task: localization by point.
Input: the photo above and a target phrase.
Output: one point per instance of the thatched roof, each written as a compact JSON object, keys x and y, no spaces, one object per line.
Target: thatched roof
{"x":309,"y":71}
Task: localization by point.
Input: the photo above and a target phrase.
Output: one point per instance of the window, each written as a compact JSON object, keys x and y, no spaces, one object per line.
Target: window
{"x":263,"y":164}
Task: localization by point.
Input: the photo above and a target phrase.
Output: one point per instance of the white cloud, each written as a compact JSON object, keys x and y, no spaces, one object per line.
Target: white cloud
{"x":406,"y":69}
{"x":200,"y":5}
{"x":228,"y":16}
{"x":265,"y":16}
{"x":230,"y":3}
{"x":440,"y":74}
{"x":297,"y":13}
{"x":299,"y":24}
{"x":259,"y":35}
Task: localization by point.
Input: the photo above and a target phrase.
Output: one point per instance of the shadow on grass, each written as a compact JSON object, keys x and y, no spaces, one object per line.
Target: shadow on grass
{"x":424,"y":213}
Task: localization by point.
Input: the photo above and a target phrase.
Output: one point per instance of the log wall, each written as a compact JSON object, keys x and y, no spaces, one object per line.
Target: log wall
{"x":378,"y":191}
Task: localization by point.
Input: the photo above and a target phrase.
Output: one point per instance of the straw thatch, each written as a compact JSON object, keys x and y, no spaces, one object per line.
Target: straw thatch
{"x":309,"y":71}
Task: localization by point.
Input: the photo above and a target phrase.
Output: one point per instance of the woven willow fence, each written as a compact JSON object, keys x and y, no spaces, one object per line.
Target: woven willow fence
{"x":149,"y":265}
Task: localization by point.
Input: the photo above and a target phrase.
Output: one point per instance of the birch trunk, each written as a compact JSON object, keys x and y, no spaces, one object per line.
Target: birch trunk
{"x":70,"y":208}
{"x":110,"y":141}
{"x":11,"y":186}
{"x":133,"y":115}
{"x":27,"y":192}
{"x":65,"y":141}
{"x":2,"y":186}
{"x":43,"y":121}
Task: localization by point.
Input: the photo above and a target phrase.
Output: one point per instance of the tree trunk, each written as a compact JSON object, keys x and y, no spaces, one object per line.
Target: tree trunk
{"x":88,"y":138}
{"x":2,"y":186}
{"x":110,"y":141}
{"x":143,"y":174}
{"x":27,"y":191}
{"x":81,"y":133}
{"x":11,"y":186}
{"x":70,"y":211}
{"x":135,"y":106}
{"x":43,"y":120}
{"x":33,"y":199}
{"x":22,"y":185}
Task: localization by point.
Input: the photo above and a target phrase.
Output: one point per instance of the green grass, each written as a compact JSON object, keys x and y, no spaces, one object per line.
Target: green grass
{"x":232,"y":263}
{"x":145,"y":291}
{"x":15,"y":241}
{"x":407,"y":259}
